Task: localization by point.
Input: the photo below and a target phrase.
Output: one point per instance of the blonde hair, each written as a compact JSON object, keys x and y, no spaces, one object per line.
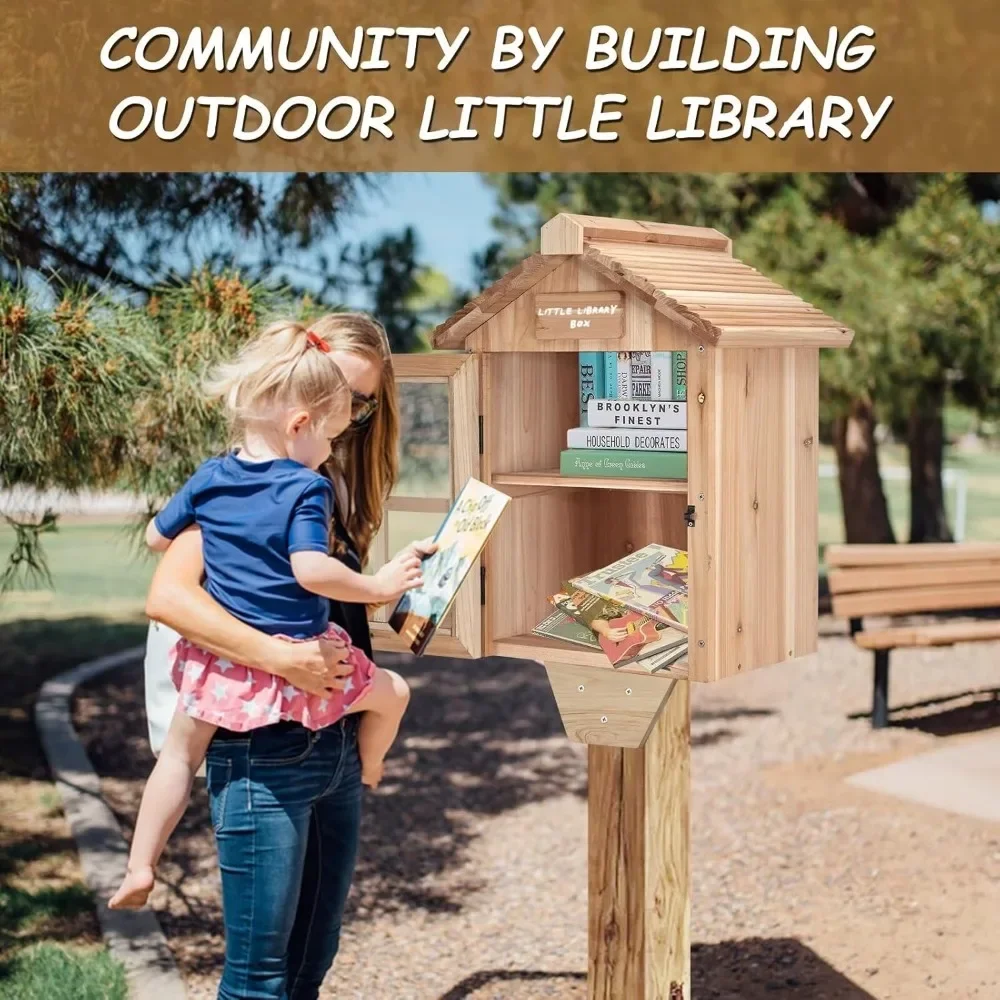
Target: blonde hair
{"x":289,"y":364}
{"x":366,"y":457}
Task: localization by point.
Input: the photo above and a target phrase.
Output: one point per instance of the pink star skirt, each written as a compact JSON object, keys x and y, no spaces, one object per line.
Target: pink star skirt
{"x":240,"y":698}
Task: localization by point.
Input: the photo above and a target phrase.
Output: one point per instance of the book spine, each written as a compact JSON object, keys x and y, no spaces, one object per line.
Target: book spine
{"x":626,"y":440}
{"x":661,"y":373}
{"x":680,"y":376}
{"x":649,"y":414}
{"x":624,"y":464}
{"x":624,"y":376}
{"x":610,"y":375}
{"x":639,"y":375}
{"x":591,"y":379}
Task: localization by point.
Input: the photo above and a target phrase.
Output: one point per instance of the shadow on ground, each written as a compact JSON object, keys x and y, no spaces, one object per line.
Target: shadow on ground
{"x":750,"y":969}
{"x":951,"y":715}
{"x":480,"y":738}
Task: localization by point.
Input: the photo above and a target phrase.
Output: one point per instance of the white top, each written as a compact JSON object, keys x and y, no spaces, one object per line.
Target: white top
{"x":161,"y":695}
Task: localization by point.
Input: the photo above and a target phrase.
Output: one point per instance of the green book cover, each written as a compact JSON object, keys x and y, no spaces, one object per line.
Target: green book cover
{"x":560,"y":625}
{"x":623,"y":464}
{"x":680,"y":375}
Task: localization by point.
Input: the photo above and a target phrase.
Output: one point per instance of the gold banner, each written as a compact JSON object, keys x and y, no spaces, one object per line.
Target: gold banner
{"x":889,"y":85}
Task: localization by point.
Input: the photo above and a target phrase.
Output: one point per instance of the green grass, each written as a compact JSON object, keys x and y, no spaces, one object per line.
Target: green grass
{"x":49,"y":972}
{"x":94,"y":567}
{"x":982,"y":472}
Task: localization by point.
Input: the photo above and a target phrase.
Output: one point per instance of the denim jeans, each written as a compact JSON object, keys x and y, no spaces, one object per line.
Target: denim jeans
{"x":286,"y":808}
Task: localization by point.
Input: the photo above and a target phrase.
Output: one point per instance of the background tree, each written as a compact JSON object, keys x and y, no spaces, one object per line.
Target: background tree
{"x":805,"y":230}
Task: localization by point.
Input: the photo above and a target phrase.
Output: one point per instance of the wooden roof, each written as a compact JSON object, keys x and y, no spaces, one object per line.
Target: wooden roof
{"x":687,"y":273}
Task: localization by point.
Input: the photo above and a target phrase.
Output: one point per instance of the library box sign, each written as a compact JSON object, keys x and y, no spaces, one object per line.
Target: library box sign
{"x":579,"y":315}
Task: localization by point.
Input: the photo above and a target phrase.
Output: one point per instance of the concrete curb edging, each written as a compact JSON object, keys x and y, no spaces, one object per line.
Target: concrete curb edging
{"x":134,"y":937}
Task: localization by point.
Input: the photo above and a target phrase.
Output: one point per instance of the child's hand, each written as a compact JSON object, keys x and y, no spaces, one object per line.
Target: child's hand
{"x":422,"y":548}
{"x":399,"y":575}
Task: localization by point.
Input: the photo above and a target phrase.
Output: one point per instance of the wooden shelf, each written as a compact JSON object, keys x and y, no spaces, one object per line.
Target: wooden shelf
{"x":547,"y":479}
{"x":534,"y":647}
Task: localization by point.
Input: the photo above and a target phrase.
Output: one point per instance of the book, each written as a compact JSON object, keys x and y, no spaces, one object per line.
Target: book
{"x":460,"y":539}
{"x":610,"y":375}
{"x":625,"y":635}
{"x":624,"y":375}
{"x":591,"y":379}
{"x":560,"y":625}
{"x":652,"y":580}
{"x":660,"y":414}
{"x":680,"y":366}
{"x":623,"y":464}
{"x":626,"y":440}
{"x":640,"y":384}
{"x":661,"y":660}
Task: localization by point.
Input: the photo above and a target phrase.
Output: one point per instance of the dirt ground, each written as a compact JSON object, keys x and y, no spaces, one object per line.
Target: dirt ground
{"x":472,"y":880}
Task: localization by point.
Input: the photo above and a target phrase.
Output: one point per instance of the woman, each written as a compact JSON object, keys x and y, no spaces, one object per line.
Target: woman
{"x":285,"y":802}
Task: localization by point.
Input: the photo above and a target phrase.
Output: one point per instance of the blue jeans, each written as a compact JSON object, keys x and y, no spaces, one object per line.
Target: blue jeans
{"x":286,"y":809}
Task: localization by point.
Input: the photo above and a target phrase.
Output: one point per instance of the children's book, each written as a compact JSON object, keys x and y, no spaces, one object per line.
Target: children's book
{"x":460,"y":539}
{"x":652,"y":580}
{"x":560,"y":625}
{"x":626,"y":636}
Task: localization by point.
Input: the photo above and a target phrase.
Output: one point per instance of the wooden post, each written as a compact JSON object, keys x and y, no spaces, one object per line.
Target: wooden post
{"x":639,"y":862}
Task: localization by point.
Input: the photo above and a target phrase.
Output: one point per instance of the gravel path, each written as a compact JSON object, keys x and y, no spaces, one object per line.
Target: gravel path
{"x":472,"y":882}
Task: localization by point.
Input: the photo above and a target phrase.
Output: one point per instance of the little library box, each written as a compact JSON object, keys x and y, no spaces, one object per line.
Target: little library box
{"x":632,"y":385}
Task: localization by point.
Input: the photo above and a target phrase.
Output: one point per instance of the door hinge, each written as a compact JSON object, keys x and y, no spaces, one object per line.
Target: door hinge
{"x":482,"y":585}
{"x":689,"y":516}
{"x":480,"y":434}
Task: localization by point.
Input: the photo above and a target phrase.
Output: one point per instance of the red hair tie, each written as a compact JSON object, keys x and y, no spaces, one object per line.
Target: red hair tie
{"x":313,"y":340}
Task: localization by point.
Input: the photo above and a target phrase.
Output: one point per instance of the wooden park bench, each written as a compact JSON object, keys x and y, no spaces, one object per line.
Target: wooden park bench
{"x":896,"y":580}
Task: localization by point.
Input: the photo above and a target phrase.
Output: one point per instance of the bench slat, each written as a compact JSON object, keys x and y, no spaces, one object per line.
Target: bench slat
{"x":910,"y":600}
{"x":928,"y":635}
{"x":862,"y":578}
{"x":907,"y":554}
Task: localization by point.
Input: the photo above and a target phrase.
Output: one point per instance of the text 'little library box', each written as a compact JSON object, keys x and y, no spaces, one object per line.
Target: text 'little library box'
{"x":634,"y":383}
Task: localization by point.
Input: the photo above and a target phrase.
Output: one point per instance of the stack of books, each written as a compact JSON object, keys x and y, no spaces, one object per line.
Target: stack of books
{"x":633,"y":416}
{"x":634,"y":610}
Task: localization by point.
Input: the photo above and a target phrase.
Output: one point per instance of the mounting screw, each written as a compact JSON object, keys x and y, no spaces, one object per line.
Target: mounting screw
{"x":701,"y":348}
{"x":580,"y":688}
{"x":604,"y":718}
{"x":739,"y":628}
{"x":701,"y":397}
{"x":701,"y":496}
{"x":701,"y":642}
{"x":628,"y":690}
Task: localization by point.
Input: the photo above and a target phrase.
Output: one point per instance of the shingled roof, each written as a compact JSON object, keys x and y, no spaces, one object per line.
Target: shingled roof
{"x":687,"y":273}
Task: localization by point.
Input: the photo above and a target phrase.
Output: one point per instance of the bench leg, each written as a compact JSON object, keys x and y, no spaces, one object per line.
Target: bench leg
{"x":880,"y":697}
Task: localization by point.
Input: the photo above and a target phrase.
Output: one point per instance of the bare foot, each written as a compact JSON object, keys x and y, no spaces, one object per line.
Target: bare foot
{"x":371,"y":774}
{"x":134,"y":890}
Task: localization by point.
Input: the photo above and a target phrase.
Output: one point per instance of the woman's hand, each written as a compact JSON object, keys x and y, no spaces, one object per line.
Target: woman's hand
{"x":317,"y":667}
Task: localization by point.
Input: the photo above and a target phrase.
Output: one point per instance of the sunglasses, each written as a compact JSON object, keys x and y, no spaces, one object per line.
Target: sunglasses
{"x":362,"y":408}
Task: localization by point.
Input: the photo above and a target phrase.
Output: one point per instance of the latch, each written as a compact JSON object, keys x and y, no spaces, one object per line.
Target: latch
{"x":689,"y":516}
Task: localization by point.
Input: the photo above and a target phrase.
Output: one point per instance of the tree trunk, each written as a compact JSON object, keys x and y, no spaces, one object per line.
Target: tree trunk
{"x":925,"y":437}
{"x":866,"y":513}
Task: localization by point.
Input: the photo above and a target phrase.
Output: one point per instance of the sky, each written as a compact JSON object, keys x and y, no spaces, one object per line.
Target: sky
{"x":449,"y":212}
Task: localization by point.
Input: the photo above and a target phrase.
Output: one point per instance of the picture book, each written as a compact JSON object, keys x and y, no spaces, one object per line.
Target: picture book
{"x":460,"y":539}
{"x":560,"y":625}
{"x":626,"y":636}
{"x":652,"y":580}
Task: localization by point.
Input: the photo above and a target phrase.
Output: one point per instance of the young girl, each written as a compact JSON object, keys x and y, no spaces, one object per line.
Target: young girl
{"x":265,"y":513}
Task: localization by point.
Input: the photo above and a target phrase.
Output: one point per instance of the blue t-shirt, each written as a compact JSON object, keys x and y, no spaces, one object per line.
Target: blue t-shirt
{"x":253,"y":516}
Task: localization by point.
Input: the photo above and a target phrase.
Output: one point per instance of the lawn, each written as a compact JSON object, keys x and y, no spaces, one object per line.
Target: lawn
{"x":50,"y":945}
{"x":982,"y":472}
